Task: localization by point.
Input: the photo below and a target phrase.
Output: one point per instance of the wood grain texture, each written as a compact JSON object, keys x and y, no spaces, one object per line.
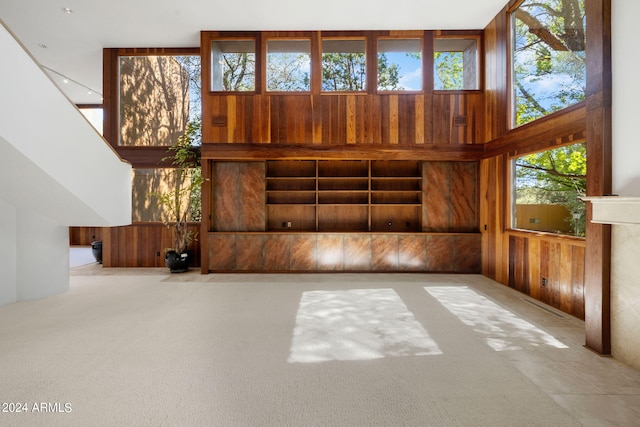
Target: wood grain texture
{"x":466,"y":259}
{"x":412,"y":253}
{"x":84,"y":236}
{"x":357,"y":252}
{"x":141,"y":245}
{"x":322,"y":252}
{"x":238,"y":195}
{"x":222,"y":252}
{"x":248,"y":252}
{"x":303,"y":252}
{"x":560,"y":262}
{"x":450,"y":198}
{"x":330,"y":119}
{"x":599,"y":175}
{"x":439,"y":254}
{"x":384,"y":252}
{"x":331,"y":253}
{"x":276,"y":252}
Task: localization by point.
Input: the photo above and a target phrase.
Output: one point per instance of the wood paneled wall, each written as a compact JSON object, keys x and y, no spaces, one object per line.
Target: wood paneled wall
{"x":306,"y":252}
{"x":238,"y":196}
{"x":327,"y":118}
{"x":549,"y":269}
{"x":521,"y":259}
{"x":403,"y":119}
{"x":84,"y":236}
{"x":450,"y":197}
{"x":141,"y":245}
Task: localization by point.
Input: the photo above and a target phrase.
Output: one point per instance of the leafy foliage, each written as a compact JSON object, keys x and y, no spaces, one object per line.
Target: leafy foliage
{"x":344,"y":71}
{"x":388,"y":75}
{"x":449,"y":70}
{"x":183,"y":203}
{"x":549,"y":61}
{"x":287,"y":72}
{"x":239,"y":71}
{"x":556,"y":176}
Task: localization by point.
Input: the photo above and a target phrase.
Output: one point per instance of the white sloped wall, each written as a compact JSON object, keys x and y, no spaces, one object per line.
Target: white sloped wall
{"x":56,"y":171}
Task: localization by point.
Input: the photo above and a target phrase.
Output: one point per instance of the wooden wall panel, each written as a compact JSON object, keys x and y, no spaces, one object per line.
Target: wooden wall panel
{"x":466,"y":250}
{"x":238,"y":191}
{"x":331,"y":252}
{"x":303,"y":252}
{"x":222,"y":252}
{"x":450,"y":198}
{"x":249,"y":252}
{"x":276,"y":252}
{"x":84,"y":236}
{"x":142,"y":245}
{"x":412,"y":253}
{"x":358,"y":250}
{"x":330,"y":119}
{"x":496,"y":77}
{"x":550,"y":269}
{"x":521,"y":259}
{"x":326,"y":252}
{"x":384,"y":252}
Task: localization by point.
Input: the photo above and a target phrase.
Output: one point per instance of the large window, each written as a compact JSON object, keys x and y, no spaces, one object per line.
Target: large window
{"x":455,"y":63}
{"x":344,"y":65}
{"x":399,"y":64}
{"x":288,"y":65}
{"x":233,"y":65}
{"x":147,"y":184}
{"x":158,"y":96}
{"x":549,"y":60}
{"x":547,"y":190}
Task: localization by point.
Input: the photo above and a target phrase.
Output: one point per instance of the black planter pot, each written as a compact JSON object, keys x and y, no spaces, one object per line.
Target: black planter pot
{"x":177,"y":263}
{"x":96,"y":248}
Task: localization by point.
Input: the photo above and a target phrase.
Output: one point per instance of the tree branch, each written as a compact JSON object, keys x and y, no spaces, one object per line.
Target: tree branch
{"x":538,"y":29}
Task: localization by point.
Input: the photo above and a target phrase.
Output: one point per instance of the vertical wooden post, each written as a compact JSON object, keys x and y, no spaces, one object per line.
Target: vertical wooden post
{"x":599,"y":135}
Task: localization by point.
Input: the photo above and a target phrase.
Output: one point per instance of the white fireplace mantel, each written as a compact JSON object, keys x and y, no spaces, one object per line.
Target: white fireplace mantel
{"x":615,"y":209}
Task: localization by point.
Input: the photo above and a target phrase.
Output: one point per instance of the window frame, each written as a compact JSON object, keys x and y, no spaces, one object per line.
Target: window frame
{"x":420,"y":39}
{"x":257,"y":78}
{"x":367,"y":67}
{"x":113,"y":126}
{"x":479,"y":62}
{"x":510,"y":188}
{"x":265,"y":61}
{"x":511,"y":95}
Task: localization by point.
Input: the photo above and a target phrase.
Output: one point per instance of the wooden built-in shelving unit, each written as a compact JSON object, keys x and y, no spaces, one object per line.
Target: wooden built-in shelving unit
{"x":344,"y":195}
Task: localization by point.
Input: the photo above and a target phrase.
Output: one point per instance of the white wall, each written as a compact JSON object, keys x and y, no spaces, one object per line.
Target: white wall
{"x":42,"y":252}
{"x":625,"y":247}
{"x":56,"y":171}
{"x":626,"y":93}
{"x":8,"y":256}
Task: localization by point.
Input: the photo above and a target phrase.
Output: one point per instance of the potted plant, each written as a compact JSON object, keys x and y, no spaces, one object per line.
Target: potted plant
{"x":181,"y":204}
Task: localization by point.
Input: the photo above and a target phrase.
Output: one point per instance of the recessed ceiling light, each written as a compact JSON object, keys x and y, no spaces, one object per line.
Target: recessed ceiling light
{"x":67,"y":10}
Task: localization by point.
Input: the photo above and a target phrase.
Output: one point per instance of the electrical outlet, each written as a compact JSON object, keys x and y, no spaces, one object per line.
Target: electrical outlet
{"x":544,"y":281}
{"x":289,"y":224}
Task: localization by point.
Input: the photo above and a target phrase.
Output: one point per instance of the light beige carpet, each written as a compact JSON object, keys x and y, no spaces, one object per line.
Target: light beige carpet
{"x":146,"y":348}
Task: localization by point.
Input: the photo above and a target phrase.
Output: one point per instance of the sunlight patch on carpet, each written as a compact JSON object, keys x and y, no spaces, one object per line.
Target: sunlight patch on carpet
{"x":358,"y":324}
{"x":503,"y":330}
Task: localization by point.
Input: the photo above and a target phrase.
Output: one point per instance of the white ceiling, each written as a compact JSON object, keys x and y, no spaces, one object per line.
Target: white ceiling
{"x":74,"y":41}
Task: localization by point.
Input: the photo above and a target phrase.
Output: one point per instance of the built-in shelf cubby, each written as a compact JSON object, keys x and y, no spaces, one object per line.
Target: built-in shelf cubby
{"x":344,"y":195}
